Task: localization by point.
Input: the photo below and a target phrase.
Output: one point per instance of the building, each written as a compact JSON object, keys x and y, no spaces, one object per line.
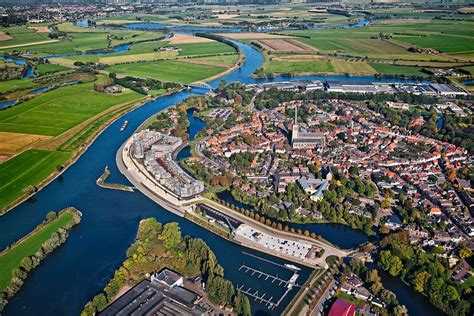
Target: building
{"x":314,"y":187}
{"x":342,"y":308}
{"x":162,"y":295}
{"x":301,"y":139}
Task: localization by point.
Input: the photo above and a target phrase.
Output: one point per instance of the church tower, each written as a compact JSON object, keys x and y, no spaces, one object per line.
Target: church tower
{"x":294,"y":133}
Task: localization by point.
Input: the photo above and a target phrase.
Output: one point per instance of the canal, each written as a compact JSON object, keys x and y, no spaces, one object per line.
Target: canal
{"x":80,"y":268}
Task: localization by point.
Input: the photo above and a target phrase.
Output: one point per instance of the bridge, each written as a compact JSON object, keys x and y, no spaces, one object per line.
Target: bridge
{"x":199,"y":84}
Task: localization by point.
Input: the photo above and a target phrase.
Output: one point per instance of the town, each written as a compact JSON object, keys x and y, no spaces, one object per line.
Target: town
{"x":306,"y":160}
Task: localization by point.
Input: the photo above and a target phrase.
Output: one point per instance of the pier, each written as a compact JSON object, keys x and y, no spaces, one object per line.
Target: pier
{"x":263,"y":298}
{"x":113,"y":186}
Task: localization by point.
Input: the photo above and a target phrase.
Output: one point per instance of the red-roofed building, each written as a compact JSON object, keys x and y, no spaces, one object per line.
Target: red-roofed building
{"x":342,"y":308}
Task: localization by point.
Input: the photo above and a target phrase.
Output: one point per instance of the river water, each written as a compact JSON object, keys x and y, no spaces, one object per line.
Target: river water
{"x":81,"y":267}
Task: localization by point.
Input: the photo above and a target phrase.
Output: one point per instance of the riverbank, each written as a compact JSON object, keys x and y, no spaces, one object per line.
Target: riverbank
{"x":17,"y":260}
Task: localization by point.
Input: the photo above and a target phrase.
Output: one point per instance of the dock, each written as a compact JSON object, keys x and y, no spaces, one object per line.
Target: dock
{"x":263,"y":298}
{"x":113,"y":186}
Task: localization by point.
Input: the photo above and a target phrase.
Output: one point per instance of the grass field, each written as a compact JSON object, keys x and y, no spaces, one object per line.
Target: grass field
{"x":28,"y":168}
{"x":169,"y":70}
{"x":82,"y":39}
{"x":450,"y":37}
{"x":353,"y":68}
{"x":303,"y":66}
{"x":57,"y":111}
{"x":112,"y":60}
{"x":388,"y":69}
{"x":11,"y":259}
{"x":49,"y":68}
{"x":10,"y":85}
{"x":204,"y":48}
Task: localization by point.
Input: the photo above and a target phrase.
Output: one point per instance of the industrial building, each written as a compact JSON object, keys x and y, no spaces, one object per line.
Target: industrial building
{"x":162,"y":295}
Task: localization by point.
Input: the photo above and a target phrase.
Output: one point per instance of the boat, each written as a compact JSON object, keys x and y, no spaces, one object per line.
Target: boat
{"x":292,"y":267}
{"x":124,"y":126}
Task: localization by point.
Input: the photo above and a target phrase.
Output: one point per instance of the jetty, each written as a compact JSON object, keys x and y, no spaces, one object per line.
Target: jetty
{"x":113,"y":186}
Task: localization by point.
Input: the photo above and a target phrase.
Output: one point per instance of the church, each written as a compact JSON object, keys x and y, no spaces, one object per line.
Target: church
{"x":301,"y":139}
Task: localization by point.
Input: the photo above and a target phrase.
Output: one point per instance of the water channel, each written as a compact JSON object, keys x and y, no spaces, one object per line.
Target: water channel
{"x":80,"y":268}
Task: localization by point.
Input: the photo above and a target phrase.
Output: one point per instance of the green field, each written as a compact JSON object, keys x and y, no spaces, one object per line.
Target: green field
{"x":22,"y":35}
{"x":11,"y":259}
{"x":28,"y":168}
{"x":303,"y":66}
{"x":10,"y":85}
{"x":387,"y":69}
{"x":450,"y":37}
{"x":49,"y":68}
{"x":82,"y":39}
{"x":55,"y":112}
{"x":204,"y":48}
{"x":169,"y":70}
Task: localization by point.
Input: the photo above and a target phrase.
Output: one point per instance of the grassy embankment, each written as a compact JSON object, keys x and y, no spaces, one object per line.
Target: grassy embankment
{"x":10,"y":258}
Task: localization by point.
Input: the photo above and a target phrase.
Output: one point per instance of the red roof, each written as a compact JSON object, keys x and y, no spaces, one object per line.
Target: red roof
{"x":342,"y":308}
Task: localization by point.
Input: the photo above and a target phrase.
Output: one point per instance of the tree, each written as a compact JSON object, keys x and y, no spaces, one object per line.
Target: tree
{"x":400,"y":310}
{"x":171,"y":236}
{"x":451,"y":294}
{"x":396,"y":266}
{"x":26,"y":263}
{"x":99,"y":302}
{"x":464,"y":252}
{"x":51,"y":216}
{"x":420,"y":281}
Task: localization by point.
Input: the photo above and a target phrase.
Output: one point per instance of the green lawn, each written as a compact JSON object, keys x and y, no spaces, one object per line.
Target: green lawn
{"x":306,"y":66}
{"x":28,"y":168}
{"x":58,"y":110}
{"x":388,"y":69}
{"x":6,"y":86}
{"x":204,"y":48}
{"x":168,"y":70}
{"x":49,"y":68}
{"x":11,"y":259}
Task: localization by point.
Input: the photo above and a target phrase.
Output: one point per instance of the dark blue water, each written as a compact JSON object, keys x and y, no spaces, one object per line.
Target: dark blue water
{"x":440,"y":121}
{"x":6,"y":104}
{"x":195,"y":124}
{"x":17,"y":61}
{"x":40,"y":90}
{"x":80,"y":268}
{"x":469,"y":82}
{"x":338,"y":234}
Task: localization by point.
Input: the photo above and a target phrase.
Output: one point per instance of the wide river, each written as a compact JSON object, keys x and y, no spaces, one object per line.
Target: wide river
{"x":80,"y":268}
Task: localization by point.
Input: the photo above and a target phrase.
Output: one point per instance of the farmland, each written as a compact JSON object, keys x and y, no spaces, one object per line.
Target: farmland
{"x":383,"y":47}
{"x":29,"y":168}
{"x":49,"y":68}
{"x":10,"y":259}
{"x":57,"y":111}
{"x":168,"y":70}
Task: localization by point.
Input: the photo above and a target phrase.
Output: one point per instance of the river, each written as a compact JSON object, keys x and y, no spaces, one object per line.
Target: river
{"x":81,"y":267}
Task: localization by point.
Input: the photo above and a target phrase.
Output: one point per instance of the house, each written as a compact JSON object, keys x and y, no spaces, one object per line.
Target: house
{"x":393,"y":222}
{"x":342,"y":308}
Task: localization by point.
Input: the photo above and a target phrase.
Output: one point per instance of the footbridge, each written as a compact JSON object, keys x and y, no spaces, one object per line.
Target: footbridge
{"x":199,"y":84}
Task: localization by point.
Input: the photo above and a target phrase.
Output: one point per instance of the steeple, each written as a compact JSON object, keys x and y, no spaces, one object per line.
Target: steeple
{"x":294,"y":132}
